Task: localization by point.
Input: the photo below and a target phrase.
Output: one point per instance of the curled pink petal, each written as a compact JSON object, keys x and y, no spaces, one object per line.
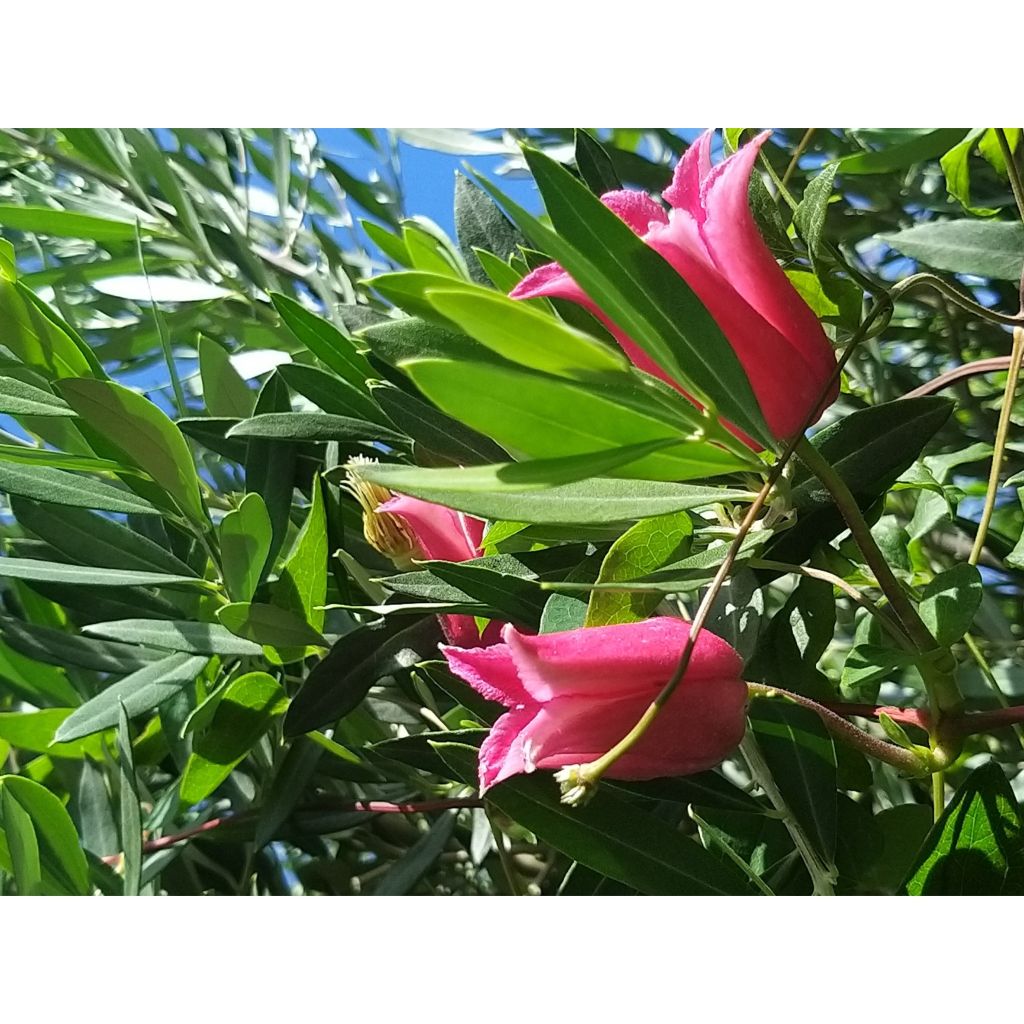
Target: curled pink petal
{"x":637,"y":209}
{"x":692,"y":169}
{"x":549,"y":281}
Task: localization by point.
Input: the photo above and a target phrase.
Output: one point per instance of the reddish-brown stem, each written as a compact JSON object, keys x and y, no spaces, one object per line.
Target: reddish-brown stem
{"x":966,"y":723}
{"x":356,"y":806}
{"x":978,"y":368}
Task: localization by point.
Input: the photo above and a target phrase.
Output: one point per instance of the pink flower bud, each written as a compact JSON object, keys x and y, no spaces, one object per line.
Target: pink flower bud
{"x":710,"y":237}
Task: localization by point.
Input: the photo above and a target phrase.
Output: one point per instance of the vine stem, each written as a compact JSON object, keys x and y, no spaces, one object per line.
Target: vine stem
{"x":943,"y":692}
{"x":823,"y":874}
{"x":578,"y":781}
{"x":1011,"y":170}
{"x":1002,"y":430}
{"x":794,"y":160}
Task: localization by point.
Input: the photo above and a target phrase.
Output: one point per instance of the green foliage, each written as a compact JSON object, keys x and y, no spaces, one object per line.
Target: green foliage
{"x":207,"y":670}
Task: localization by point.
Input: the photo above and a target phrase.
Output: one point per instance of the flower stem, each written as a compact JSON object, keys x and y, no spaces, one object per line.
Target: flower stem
{"x":905,"y":760}
{"x":1003,"y":428}
{"x":823,"y":874}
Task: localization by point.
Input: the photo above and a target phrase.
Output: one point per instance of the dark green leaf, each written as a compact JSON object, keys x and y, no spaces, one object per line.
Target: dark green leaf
{"x":131,"y":817}
{"x":977,"y":847}
{"x":103,"y":542}
{"x":988,"y":248}
{"x":20,"y":399}
{"x":338,"y":683}
{"x":313,"y":426}
{"x":403,"y":875}
{"x":87,"y":575}
{"x":801,"y":757}
{"x":902,"y":154}
{"x":324,"y":340}
{"x":269,"y":625}
{"x":137,"y":427}
{"x":950,"y":602}
{"x":55,"y":647}
{"x":434,"y":430}
{"x":609,"y":834}
{"x":332,"y":394}
{"x":594,"y":164}
{"x":869,"y":449}
{"x":480,"y":224}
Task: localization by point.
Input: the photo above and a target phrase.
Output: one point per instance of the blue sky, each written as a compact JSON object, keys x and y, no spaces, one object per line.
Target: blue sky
{"x":428,"y":176}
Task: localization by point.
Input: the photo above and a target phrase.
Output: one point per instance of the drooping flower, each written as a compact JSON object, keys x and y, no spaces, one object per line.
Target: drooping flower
{"x":710,"y":237}
{"x":572,"y":696}
{"x":408,"y":530}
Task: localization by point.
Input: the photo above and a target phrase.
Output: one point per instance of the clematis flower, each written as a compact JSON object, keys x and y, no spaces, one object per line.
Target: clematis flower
{"x":709,"y":236}
{"x":408,"y":530}
{"x":572,"y":696}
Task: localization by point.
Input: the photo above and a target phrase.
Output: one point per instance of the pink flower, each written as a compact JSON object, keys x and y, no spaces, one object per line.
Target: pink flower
{"x":572,"y":696}
{"x":448,"y":536}
{"x":408,"y":530}
{"x":710,"y":237}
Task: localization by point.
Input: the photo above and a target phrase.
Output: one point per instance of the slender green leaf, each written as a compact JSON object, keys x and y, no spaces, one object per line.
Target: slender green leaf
{"x":139,"y":692}
{"x":310,"y":426}
{"x":324,"y":340}
{"x":131,"y":817}
{"x":802,"y":760}
{"x":44,"y":483}
{"x":184,"y":636}
{"x":988,"y":248}
{"x":20,"y":399}
{"x":609,"y":834}
{"x":595,"y":501}
{"x":138,"y":428}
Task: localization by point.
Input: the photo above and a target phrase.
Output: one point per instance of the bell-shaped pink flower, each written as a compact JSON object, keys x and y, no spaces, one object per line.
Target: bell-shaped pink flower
{"x":572,"y":696}
{"x":443,"y":534}
{"x":709,"y":236}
